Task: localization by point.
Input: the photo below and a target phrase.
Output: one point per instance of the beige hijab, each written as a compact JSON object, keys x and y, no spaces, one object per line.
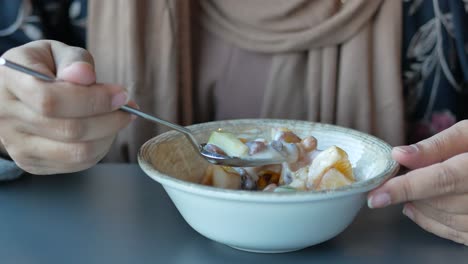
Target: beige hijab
{"x":332,"y":62}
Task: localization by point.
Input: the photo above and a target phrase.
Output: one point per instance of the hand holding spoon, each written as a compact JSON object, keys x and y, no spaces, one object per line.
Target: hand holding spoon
{"x":211,"y":157}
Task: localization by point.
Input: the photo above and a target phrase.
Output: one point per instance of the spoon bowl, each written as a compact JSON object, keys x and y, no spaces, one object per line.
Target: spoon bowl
{"x":218,"y":159}
{"x":211,"y":157}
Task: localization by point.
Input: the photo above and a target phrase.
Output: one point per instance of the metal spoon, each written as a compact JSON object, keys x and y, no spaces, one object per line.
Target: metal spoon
{"x":199,"y":148}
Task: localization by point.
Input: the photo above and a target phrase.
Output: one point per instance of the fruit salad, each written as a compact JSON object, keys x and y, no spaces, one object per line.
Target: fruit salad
{"x":306,"y":168}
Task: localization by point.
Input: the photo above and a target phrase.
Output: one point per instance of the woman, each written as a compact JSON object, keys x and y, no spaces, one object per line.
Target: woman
{"x":328,"y":61}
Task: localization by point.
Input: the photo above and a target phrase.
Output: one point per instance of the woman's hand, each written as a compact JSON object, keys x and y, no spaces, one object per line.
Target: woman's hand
{"x":63,"y":126}
{"x":435,"y":192}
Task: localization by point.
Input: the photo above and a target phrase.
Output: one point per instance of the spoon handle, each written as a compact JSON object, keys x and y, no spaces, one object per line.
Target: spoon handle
{"x":187,"y":133}
{"x":26,"y":70}
{"x":126,"y":108}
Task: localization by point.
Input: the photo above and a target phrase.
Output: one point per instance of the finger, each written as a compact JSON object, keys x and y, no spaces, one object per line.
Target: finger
{"x":36,"y":55}
{"x":47,"y":167}
{"x":41,"y":152}
{"x":73,"y":64}
{"x":78,"y":72}
{"x":440,"y":147}
{"x":54,"y":58}
{"x":69,"y":153}
{"x":62,"y":99}
{"x":456,"y":221}
{"x":433,"y":226}
{"x":67,"y":129}
{"x":58,"y":99}
{"x":448,"y":177}
{"x":452,"y":204}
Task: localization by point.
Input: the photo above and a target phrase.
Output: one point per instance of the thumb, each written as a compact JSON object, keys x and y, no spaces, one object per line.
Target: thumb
{"x":438,"y":148}
{"x":73,"y":64}
{"x":429,"y":159}
{"x":78,"y":72}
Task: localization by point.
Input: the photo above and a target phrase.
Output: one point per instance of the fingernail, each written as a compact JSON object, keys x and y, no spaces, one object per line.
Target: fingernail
{"x":379,"y":200}
{"x":407,"y":149}
{"x":119,"y":99}
{"x":133,"y":117}
{"x":408,"y":212}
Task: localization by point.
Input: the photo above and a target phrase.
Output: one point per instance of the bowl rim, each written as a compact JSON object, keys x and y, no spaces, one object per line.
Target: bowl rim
{"x":244,"y":195}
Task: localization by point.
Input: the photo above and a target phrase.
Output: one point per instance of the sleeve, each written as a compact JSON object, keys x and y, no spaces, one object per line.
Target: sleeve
{"x":9,"y":170}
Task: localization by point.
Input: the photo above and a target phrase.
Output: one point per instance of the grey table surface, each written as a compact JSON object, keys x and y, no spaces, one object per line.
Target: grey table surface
{"x":116,"y":214}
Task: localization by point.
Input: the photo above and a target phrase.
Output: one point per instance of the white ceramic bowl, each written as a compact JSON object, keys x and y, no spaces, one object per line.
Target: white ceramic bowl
{"x":263,"y":221}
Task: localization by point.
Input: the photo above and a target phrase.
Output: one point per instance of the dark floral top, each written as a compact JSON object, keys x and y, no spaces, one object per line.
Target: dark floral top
{"x":22,"y":21}
{"x":435,"y":65}
{"x":435,"y":47}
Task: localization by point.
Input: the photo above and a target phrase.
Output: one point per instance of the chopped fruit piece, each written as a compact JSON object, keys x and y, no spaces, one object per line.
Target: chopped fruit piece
{"x":289,"y":137}
{"x":309,"y":144}
{"x":333,"y":179}
{"x":223,"y":179}
{"x":267,"y":177}
{"x":208,"y":177}
{"x":276,"y":132}
{"x":256,"y":147}
{"x":214,"y":149}
{"x":276,"y":145}
{"x":298,"y":184}
{"x":344,"y":166}
{"x":285,"y":189}
{"x":243,"y":140}
{"x":270,"y":188}
{"x":229,"y":169}
{"x":229,"y":143}
{"x":332,"y":157}
{"x":285,"y":135}
{"x":247,"y":183}
{"x":286,"y":176}
{"x":299,"y":178}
